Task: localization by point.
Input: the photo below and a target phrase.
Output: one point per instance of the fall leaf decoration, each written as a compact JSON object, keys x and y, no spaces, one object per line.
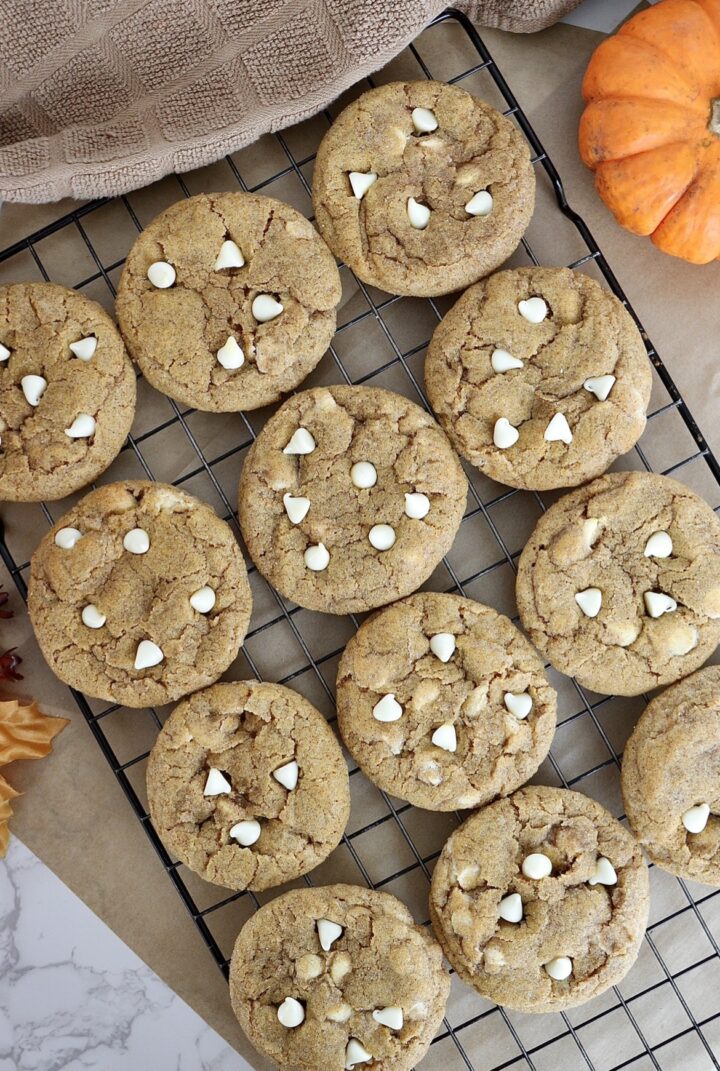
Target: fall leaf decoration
{"x":7,"y":793}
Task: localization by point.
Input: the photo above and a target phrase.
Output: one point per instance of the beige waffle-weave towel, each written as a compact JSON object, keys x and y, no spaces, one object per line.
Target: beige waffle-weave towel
{"x":98,"y":97}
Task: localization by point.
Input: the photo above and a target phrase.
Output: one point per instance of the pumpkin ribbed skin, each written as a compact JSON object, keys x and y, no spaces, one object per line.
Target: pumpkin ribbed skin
{"x":651,"y":128}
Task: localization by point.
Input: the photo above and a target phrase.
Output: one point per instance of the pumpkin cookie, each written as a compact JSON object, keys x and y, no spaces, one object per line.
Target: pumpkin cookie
{"x":671,"y":778}
{"x":619,"y":584}
{"x":444,"y":703}
{"x":139,"y":594}
{"x":539,"y":377}
{"x":338,"y":977}
{"x":421,"y":188}
{"x":247,"y":785}
{"x":540,"y":900}
{"x":349,"y":498}
{"x":227,"y":301}
{"x":67,"y":391}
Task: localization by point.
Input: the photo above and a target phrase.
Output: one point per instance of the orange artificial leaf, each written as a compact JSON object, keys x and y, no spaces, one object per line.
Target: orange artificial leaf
{"x":25,"y":732}
{"x":7,"y":793}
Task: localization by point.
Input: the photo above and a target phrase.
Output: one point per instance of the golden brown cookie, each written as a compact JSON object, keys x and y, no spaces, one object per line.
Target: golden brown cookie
{"x":139,"y":594}
{"x":539,"y":377}
{"x":671,"y":778}
{"x":540,"y":900}
{"x":619,"y":584}
{"x":421,"y":188}
{"x":443,"y":702}
{"x":349,"y":498}
{"x":227,"y":300}
{"x":247,"y":785}
{"x":67,"y":391}
{"x":338,"y":977}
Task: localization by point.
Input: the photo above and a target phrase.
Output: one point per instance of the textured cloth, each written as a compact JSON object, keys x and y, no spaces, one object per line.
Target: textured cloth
{"x":98,"y":97}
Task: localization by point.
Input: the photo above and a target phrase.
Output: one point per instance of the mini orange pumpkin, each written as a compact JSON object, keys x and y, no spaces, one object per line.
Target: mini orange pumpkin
{"x":651,"y":128}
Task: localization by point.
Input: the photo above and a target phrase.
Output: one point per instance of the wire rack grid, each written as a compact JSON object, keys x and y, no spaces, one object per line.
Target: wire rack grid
{"x":664,"y":1014}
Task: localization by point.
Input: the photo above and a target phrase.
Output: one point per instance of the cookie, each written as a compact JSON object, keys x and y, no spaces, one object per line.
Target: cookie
{"x":540,"y":901}
{"x":338,"y":977}
{"x":421,"y":188}
{"x":139,"y":594}
{"x":349,"y":498}
{"x":539,"y":377}
{"x":247,"y":785}
{"x":619,"y":584}
{"x":67,"y":392}
{"x":671,"y":778}
{"x":227,"y":301}
{"x":442,"y":701}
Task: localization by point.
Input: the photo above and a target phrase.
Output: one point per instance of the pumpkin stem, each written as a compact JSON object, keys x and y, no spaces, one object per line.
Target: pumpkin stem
{"x":714,"y":124}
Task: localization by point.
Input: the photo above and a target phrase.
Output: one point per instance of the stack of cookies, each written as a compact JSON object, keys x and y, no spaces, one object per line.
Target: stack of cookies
{"x":348,"y":500}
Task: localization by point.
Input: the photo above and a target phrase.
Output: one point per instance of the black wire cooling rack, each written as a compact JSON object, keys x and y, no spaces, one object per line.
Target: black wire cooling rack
{"x":666,"y":1013}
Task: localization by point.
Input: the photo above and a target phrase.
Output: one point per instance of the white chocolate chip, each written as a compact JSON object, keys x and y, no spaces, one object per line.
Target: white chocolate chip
{"x":417,"y":505}
{"x":33,"y":387}
{"x":445,"y":737}
{"x":67,"y":538}
{"x":481,"y":204}
{"x":387,"y":709}
{"x":290,"y":1013}
{"x":340,"y":967}
{"x":148,"y":654}
{"x":363,"y":474}
{"x":659,"y":545}
{"x":92,"y":617}
{"x":430,"y":773}
{"x":494,"y":957}
{"x":317,"y":557}
{"x":361,"y":182}
{"x":328,"y":933}
{"x":504,"y":434}
{"x":696,"y":818}
{"x":589,"y":601}
{"x":266,"y":308}
{"x":203,"y":599}
{"x":231,"y":355}
{"x":536,"y":866}
{"x":82,"y":427}
{"x":382,"y":536}
{"x":4,"y":352}
{"x":246,"y":832}
{"x":161,"y":274}
{"x":510,"y":908}
{"x":355,"y":1054}
{"x":600,"y":386}
{"x":419,"y":215}
{"x":287,"y":775}
{"x":520,"y":704}
{"x":622,"y":633}
{"x":85,"y":348}
{"x":424,"y":120}
{"x":230,"y":256}
{"x":391,"y":1017}
{"x":301,"y":442}
{"x":502,"y":361}
{"x":442,"y":645}
{"x":558,"y":430}
{"x":309,"y":966}
{"x":534,"y":310}
{"x":340,"y":1013}
{"x":137,"y":541}
{"x":217,"y":783}
{"x":681,"y":640}
{"x":559,"y":968}
{"x":604,"y":873}
{"x":296,"y":508}
{"x":658,"y":603}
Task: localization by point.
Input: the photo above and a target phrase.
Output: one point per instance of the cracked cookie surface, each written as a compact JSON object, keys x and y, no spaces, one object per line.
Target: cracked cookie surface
{"x":595,"y":540}
{"x":495,"y":750}
{"x":671,"y":765}
{"x":175,"y":333}
{"x":381,"y":961}
{"x":247,"y":731}
{"x":597,"y":927}
{"x":472,"y":149}
{"x":143,"y":596}
{"x":586,"y":335}
{"x":409,"y":456}
{"x":38,"y":323}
